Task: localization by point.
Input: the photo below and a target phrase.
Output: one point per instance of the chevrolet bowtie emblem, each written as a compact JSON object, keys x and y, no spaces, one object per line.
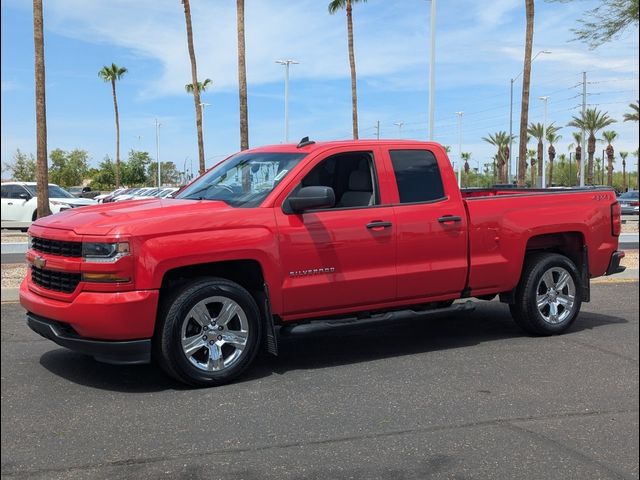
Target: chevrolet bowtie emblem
{"x":39,"y":262}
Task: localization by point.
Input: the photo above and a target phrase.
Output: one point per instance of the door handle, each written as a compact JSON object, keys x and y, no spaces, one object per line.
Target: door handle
{"x":378,"y":224}
{"x":10,"y":203}
{"x":450,"y":218}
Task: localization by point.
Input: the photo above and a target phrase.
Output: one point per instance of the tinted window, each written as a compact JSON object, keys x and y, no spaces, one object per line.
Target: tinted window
{"x":12,"y":191}
{"x":417,"y":175}
{"x":633,"y":195}
{"x":54,"y":191}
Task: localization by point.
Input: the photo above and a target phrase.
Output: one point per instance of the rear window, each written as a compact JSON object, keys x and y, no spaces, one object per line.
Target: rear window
{"x":630,"y":195}
{"x":417,"y":176}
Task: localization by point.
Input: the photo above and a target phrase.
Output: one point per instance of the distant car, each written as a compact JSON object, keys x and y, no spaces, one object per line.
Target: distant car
{"x":19,"y":202}
{"x":629,"y":202}
{"x":83,"y":192}
{"x":130,"y":195}
{"x":111,"y":196}
{"x":167,"y":192}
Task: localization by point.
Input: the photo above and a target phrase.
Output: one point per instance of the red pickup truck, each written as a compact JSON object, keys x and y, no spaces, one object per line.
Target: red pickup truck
{"x":282,"y":235}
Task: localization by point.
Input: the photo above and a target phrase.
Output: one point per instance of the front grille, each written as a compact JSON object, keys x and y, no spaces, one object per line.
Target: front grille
{"x":57,"y":247}
{"x":53,"y":280}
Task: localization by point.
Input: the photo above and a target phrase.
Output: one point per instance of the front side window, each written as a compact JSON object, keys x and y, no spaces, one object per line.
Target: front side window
{"x":417,"y":175}
{"x":243,"y":180}
{"x":351,"y":176}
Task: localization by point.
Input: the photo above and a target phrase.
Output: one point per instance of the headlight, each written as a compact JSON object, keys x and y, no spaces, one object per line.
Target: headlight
{"x":61,"y":204}
{"x":104,"y":252}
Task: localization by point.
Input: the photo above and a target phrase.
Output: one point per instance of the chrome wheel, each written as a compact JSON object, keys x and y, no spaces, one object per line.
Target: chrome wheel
{"x":556,"y":295}
{"x":214,"y":334}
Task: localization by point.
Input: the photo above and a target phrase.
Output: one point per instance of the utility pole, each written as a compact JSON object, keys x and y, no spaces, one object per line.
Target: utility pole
{"x":202,"y":107}
{"x":460,"y":162}
{"x":432,"y":69}
{"x":543,"y":181}
{"x":584,"y":138}
{"x":286,"y":64}
{"x":158,"y":149}
{"x":378,"y":130}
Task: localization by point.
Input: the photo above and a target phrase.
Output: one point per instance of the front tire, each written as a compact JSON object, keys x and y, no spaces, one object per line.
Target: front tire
{"x":548,"y":298}
{"x":208,"y":333}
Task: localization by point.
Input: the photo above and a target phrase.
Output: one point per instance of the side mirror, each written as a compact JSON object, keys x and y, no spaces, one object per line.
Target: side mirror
{"x":311,"y":198}
{"x":24,"y":196}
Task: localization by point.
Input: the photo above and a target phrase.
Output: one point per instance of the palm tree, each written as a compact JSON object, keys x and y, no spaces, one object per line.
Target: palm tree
{"x":633,"y":115}
{"x":501,"y":141}
{"x":593,"y":121}
{"x":624,"y":156}
{"x":42,"y":171}
{"x":577,"y":137}
{"x":466,"y":156}
{"x":538,"y":131}
{"x":552,"y":138}
{"x":194,"y":83}
{"x":334,"y":6}
{"x":112,"y":74}
{"x":242,"y":77}
{"x":526,"y":81}
{"x":533,"y":155}
{"x":202,"y":86}
{"x":609,"y":136}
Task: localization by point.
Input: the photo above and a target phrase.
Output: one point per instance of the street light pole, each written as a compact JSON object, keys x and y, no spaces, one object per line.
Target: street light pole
{"x":399,"y":125}
{"x":286,"y":64}
{"x":158,"y":149}
{"x":459,"y":115}
{"x":203,"y":105}
{"x":432,"y":69}
{"x":509,"y":169}
{"x":543,"y":182}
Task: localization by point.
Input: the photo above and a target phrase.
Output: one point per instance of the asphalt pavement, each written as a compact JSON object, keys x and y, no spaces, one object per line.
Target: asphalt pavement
{"x":467,"y":396}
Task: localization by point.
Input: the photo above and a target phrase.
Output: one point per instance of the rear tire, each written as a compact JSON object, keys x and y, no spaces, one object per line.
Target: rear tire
{"x":208,"y":333}
{"x":548,"y":297}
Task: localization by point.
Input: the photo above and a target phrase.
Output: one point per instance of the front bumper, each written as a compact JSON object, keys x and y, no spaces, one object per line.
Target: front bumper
{"x":120,"y":352}
{"x":98,"y":315}
{"x":614,"y":264}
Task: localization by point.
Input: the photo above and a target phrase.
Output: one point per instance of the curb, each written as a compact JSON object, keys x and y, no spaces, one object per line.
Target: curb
{"x":10,"y":295}
{"x":14,"y":247}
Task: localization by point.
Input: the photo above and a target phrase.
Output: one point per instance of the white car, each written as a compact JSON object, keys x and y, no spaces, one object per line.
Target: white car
{"x":19,"y":202}
{"x":131,"y":194}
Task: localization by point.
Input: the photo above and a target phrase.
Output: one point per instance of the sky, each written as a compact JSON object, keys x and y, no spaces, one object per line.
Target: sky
{"x":479,"y":48}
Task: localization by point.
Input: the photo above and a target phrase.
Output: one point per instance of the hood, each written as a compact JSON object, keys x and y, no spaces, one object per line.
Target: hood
{"x":144,"y":217}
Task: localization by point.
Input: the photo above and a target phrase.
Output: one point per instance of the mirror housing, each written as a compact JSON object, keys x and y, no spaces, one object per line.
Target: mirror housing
{"x":311,"y":198}
{"x":25,"y":196}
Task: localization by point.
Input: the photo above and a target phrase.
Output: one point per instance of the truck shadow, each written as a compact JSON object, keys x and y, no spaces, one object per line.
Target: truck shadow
{"x":315,"y":347}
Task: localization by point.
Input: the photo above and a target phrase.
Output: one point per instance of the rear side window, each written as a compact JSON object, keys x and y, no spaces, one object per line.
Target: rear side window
{"x":417,"y":175}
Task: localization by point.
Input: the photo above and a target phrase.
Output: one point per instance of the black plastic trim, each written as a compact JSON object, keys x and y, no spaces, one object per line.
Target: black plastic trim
{"x":614,"y":264}
{"x":127,"y":352}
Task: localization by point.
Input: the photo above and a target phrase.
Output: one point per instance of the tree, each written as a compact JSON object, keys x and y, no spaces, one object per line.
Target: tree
{"x":609,"y":136}
{"x":334,"y":6}
{"x":23,"y":168}
{"x":134,"y":172}
{"x":112,"y":73}
{"x":466,"y":156}
{"x":577,"y":137}
{"x":194,"y":83}
{"x":624,"y":156}
{"x":552,"y":138}
{"x":68,"y":169}
{"x":593,"y":121}
{"x":538,"y":131}
{"x":42,"y":172}
{"x":242,"y":77}
{"x":606,"y":22}
{"x":500,"y":140}
{"x":104,"y":176}
{"x":202,"y":86}
{"x":169,"y":174}
{"x":526,"y":81}
{"x":533,"y":155}
{"x":633,"y":115}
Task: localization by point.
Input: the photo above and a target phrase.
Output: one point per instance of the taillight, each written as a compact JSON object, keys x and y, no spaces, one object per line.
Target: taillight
{"x":616,"y":222}
{"x":635,"y":204}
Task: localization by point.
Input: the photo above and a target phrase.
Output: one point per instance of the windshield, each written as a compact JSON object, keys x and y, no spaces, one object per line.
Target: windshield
{"x":243,"y":180}
{"x":54,"y":191}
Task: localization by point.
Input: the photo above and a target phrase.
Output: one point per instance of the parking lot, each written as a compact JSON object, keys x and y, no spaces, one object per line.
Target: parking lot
{"x":459,"y":397}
